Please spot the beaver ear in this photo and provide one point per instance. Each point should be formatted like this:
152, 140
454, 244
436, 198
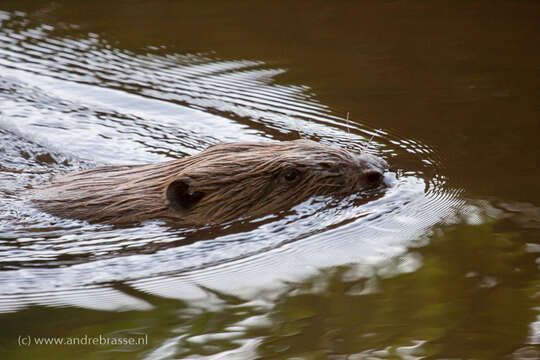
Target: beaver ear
181, 195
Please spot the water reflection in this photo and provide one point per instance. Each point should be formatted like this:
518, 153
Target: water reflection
422, 303
376, 279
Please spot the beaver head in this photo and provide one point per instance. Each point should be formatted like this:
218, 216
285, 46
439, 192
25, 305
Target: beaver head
224, 182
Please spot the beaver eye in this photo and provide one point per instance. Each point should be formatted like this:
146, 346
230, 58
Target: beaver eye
291, 175
326, 166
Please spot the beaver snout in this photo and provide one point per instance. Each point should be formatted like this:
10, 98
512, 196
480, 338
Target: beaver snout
372, 169
374, 177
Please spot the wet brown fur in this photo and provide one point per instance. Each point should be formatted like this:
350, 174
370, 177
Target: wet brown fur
223, 182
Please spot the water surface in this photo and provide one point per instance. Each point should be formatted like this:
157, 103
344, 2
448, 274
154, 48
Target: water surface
443, 264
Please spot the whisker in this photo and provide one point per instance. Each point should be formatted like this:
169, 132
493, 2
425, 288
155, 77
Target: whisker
365, 147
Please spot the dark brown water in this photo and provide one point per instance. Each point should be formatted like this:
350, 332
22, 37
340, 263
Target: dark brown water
444, 265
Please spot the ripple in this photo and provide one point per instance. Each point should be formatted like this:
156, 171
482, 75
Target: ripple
69, 103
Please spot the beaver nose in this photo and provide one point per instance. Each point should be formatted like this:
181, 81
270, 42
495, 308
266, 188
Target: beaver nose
374, 176
372, 168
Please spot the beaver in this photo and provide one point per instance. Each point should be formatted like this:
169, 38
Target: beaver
224, 182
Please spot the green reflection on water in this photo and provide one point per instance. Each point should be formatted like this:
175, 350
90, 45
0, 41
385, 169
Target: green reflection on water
469, 295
